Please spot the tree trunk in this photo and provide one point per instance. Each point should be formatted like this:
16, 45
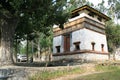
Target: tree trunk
27, 49
7, 33
50, 56
39, 51
16, 49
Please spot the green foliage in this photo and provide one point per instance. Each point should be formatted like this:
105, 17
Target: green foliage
39, 15
114, 9
113, 35
35, 15
73, 4
100, 7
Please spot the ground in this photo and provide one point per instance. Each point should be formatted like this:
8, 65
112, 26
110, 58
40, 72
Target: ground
74, 72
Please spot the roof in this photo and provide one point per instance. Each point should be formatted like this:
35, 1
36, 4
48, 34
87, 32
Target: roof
86, 7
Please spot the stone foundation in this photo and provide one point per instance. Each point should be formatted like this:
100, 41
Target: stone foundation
83, 56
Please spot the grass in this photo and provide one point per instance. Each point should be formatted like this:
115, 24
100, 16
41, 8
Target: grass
48, 75
112, 75
106, 67
109, 72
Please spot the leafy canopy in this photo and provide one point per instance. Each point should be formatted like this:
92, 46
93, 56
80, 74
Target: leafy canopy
35, 15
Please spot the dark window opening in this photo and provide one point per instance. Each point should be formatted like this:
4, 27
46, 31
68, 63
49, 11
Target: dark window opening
77, 47
91, 14
58, 49
102, 47
75, 15
100, 19
93, 46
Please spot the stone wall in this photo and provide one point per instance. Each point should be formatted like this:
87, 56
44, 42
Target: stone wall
84, 56
13, 74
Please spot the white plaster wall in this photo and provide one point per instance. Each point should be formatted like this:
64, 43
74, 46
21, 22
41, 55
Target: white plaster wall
78, 36
86, 36
91, 36
84, 56
58, 41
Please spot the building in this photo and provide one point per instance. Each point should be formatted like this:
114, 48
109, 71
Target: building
83, 36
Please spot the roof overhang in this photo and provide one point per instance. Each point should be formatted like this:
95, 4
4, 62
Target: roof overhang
86, 7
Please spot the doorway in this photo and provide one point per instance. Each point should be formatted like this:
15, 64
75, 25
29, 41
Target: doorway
66, 42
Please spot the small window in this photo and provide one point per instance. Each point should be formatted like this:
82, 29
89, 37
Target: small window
100, 19
93, 46
91, 14
75, 15
77, 47
102, 47
58, 49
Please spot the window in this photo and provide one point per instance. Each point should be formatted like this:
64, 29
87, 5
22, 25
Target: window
93, 46
91, 14
102, 47
58, 49
77, 47
100, 19
75, 15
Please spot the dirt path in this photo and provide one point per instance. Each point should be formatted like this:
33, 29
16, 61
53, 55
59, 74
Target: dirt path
71, 77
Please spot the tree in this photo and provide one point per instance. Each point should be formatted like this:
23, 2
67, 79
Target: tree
73, 4
100, 7
114, 9
23, 17
113, 35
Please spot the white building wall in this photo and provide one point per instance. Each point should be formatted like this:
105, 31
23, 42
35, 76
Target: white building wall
85, 37
58, 41
77, 36
91, 36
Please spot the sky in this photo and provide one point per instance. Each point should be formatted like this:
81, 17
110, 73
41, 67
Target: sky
95, 2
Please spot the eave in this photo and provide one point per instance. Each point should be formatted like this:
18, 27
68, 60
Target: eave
86, 7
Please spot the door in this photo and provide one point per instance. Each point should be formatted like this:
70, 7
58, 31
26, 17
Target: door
66, 42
